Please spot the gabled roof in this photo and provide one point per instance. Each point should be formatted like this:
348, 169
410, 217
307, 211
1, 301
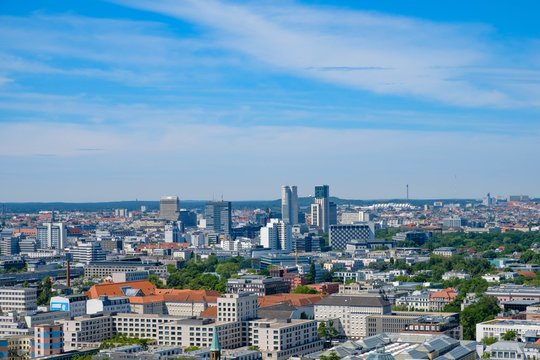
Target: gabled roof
186, 295
291, 299
115, 289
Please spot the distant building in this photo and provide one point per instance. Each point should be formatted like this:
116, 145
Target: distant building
9, 243
52, 236
418, 237
454, 222
87, 252
320, 210
289, 204
445, 251
105, 304
259, 285
172, 233
218, 216
169, 206
340, 235
18, 299
276, 235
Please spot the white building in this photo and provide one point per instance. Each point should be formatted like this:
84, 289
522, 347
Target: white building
455, 275
172, 233
118, 304
496, 328
86, 252
52, 236
276, 235
237, 307
289, 204
349, 312
85, 331
18, 299
75, 304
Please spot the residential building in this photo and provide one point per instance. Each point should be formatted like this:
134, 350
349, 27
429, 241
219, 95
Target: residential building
341, 234
172, 233
85, 331
75, 304
218, 216
18, 299
52, 236
48, 340
289, 205
445, 251
9, 243
169, 207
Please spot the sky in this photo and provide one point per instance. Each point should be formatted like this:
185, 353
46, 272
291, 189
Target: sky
135, 99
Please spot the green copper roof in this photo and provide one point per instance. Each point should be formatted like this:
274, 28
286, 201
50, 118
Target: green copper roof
216, 346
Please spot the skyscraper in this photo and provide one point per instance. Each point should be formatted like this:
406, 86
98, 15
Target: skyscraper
276, 235
320, 211
289, 204
169, 206
218, 216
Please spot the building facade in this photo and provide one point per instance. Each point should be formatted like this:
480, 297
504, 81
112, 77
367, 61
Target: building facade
289, 204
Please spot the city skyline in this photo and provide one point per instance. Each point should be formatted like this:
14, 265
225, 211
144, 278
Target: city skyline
117, 100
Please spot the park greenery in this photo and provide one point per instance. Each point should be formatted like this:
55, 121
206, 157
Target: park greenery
209, 274
303, 289
485, 309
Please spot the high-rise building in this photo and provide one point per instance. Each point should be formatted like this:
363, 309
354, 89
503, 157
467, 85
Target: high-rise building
276, 235
9, 243
289, 204
87, 252
52, 236
169, 206
172, 233
218, 216
320, 211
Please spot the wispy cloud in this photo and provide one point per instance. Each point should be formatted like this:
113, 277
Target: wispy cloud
422, 59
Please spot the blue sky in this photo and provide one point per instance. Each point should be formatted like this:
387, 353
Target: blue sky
125, 99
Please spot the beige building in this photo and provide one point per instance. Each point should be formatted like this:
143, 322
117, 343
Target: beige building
237, 307
83, 330
18, 299
281, 339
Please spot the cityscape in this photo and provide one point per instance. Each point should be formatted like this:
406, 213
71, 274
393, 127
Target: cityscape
269, 180
314, 278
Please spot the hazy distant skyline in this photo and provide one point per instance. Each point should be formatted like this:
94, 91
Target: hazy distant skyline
117, 100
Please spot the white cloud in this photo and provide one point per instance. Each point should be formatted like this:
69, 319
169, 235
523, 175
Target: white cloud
364, 50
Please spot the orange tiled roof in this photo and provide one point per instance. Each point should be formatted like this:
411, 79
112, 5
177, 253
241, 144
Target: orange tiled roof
526, 273
115, 289
292, 299
210, 311
145, 299
186, 295
449, 293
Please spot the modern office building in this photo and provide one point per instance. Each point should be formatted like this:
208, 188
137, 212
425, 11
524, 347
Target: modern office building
85, 331
289, 204
320, 210
418, 237
87, 252
75, 304
105, 304
259, 285
18, 299
276, 235
106, 268
350, 312
172, 233
453, 222
169, 207
340, 235
237, 307
218, 216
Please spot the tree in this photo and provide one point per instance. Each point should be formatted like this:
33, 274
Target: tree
302, 289
486, 355
45, 291
490, 340
333, 356
304, 316
485, 309
154, 279
510, 335
310, 278
327, 330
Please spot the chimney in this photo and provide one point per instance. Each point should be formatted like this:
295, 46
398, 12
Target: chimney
68, 280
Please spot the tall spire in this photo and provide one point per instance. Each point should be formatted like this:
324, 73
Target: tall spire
215, 349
